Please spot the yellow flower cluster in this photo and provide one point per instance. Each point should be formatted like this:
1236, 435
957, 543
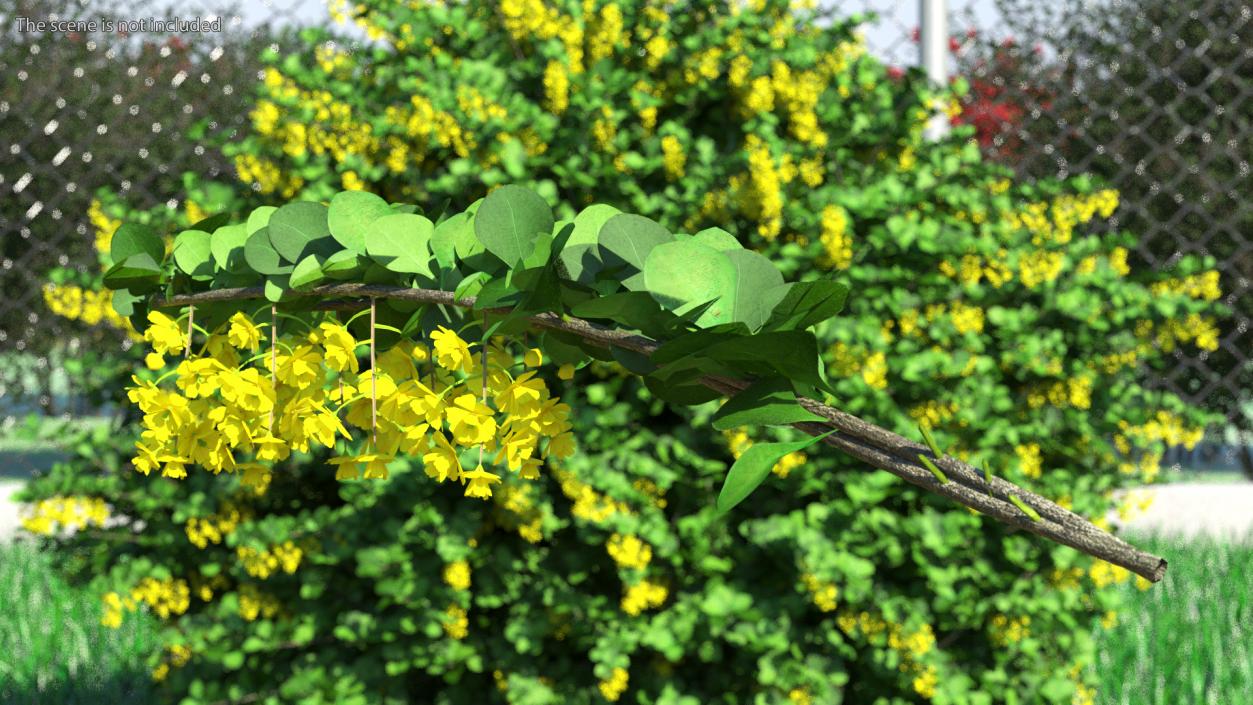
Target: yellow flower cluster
1040, 267
556, 87
800, 696
643, 595
330, 59
523, 515
70, 512
703, 65
604, 129
738, 442
912, 646
1135, 503
104, 225
1075, 391
1055, 221
1007, 630
650, 488
226, 408
457, 575
254, 603
837, 243
673, 156
266, 175
1202, 330
588, 504
974, 268
263, 563
932, 413
90, 307
874, 370
1165, 426
1029, 459
760, 197
457, 624
607, 33
824, 594
164, 597
966, 319
201, 531
629, 551
476, 106
798, 94
179, 654
1203, 286
1103, 574
615, 685
1065, 579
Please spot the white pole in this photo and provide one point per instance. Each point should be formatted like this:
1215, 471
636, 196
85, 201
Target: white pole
933, 53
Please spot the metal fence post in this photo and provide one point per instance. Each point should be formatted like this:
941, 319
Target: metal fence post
933, 54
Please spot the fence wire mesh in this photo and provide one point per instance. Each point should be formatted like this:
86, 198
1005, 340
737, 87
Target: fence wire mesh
1150, 96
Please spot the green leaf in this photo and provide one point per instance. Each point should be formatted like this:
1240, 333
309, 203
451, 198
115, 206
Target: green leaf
227, 246
259, 218
757, 287
769, 402
401, 242
127, 303
350, 215
753, 466
211, 223
344, 264
275, 287
192, 255
307, 272
471, 285
632, 309
792, 354
626, 240
805, 303
718, 239
300, 229
682, 275
581, 255
682, 394
444, 239
139, 272
261, 255
133, 239
509, 221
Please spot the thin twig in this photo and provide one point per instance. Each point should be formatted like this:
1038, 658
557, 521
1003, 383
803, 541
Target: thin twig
872, 444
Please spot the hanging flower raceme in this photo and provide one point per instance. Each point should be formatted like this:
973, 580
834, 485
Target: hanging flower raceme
430, 400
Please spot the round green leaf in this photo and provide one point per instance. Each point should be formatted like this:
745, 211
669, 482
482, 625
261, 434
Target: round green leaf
191, 253
227, 246
344, 264
350, 215
134, 238
718, 239
307, 272
401, 242
260, 218
627, 239
509, 220
686, 274
296, 226
581, 255
757, 283
261, 255
444, 240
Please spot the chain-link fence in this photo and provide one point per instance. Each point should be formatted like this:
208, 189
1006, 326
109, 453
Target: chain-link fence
1151, 96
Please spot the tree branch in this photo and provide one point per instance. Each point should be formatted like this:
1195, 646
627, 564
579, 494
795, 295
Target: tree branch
867, 442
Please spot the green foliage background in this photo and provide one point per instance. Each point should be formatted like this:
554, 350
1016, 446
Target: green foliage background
420, 119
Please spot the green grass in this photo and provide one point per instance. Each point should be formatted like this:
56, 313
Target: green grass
1189, 638
53, 649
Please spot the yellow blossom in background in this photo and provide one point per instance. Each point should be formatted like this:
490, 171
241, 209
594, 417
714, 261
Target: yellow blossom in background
836, 242
629, 551
67, 513
615, 685
674, 156
457, 575
1029, 459
643, 595
457, 624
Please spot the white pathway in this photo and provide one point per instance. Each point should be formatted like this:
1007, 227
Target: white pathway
1186, 509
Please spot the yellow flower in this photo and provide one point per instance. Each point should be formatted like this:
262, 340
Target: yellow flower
451, 352
164, 334
613, 687
480, 482
301, 368
338, 345
457, 575
565, 371
243, 333
442, 463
